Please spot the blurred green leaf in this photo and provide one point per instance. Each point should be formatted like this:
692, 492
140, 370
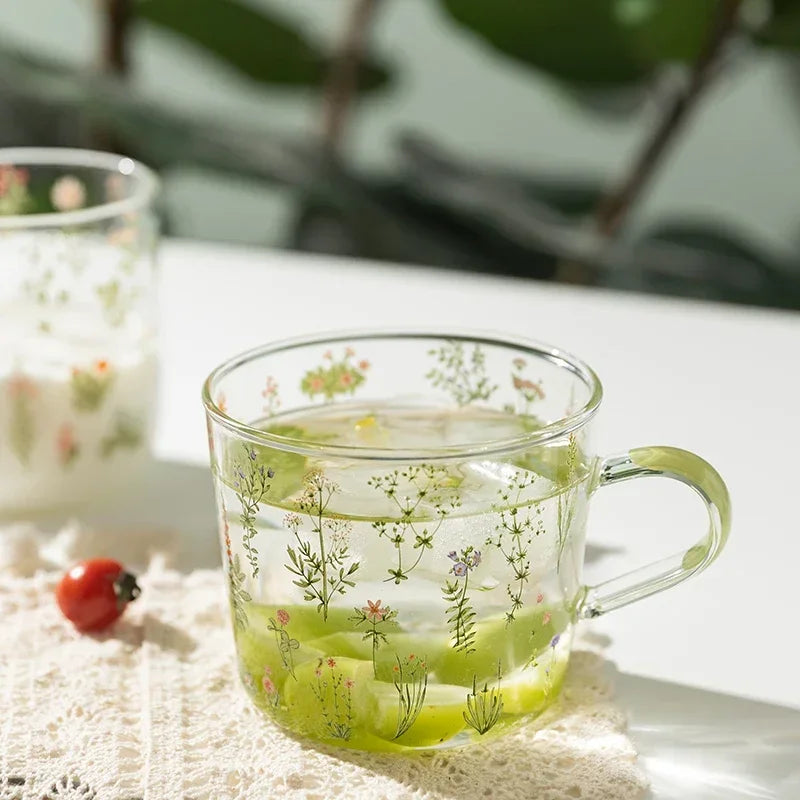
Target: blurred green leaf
783, 28
603, 43
258, 44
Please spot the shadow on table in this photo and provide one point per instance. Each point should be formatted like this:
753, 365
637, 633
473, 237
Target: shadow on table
692, 744
701, 744
170, 512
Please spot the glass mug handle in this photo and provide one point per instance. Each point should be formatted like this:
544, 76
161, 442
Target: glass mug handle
680, 465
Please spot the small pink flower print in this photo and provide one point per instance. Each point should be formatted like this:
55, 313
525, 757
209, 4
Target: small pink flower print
271, 388
539, 597
396, 668
519, 363
65, 444
524, 384
268, 670
546, 618
363, 365
411, 657
328, 354
318, 672
67, 193
19, 385
269, 686
101, 366
373, 611
283, 616
331, 662
222, 403
346, 379
316, 384
10, 176
349, 352
123, 236
349, 683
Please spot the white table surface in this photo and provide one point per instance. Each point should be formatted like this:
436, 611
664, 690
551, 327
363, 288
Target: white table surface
723, 381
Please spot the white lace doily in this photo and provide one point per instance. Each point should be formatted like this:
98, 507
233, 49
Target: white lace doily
153, 710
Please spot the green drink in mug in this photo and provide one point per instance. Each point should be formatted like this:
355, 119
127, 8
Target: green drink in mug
403, 520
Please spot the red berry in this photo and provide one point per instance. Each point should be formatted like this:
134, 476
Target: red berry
94, 593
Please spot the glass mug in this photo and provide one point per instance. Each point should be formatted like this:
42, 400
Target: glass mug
403, 519
77, 325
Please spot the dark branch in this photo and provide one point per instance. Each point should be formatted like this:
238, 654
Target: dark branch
615, 206
342, 81
116, 16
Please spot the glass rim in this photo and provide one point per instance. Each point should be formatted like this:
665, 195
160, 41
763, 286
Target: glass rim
553, 430
145, 191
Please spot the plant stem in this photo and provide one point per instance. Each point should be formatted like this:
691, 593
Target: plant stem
342, 79
616, 205
116, 21
323, 557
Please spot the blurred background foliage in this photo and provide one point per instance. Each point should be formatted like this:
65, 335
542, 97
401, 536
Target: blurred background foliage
648, 66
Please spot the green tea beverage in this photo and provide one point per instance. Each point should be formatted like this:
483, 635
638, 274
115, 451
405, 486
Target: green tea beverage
402, 518
403, 605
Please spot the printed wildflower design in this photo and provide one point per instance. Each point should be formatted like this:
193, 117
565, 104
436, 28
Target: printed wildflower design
269, 687
15, 198
424, 483
22, 428
460, 614
377, 618
236, 577
67, 193
463, 376
528, 391
116, 300
90, 386
514, 534
335, 377
410, 678
246, 677
126, 434
335, 695
285, 642
324, 571
66, 446
251, 484
567, 499
272, 401
548, 673
484, 707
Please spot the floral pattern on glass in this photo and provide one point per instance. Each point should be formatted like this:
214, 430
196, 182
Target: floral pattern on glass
66, 445
251, 481
335, 376
285, 643
89, 386
334, 693
272, 401
22, 428
377, 619
460, 613
514, 534
321, 563
410, 678
484, 706
461, 374
408, 489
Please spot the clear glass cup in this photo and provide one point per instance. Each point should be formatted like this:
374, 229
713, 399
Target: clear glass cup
78, 238
403, 521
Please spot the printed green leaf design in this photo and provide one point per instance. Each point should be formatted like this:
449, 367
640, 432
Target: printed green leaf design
377, 619
22, 427
238, 595
411, 682
127, 435
460, 374
484, 707
321, 569
460, 614
251, 484
89, 387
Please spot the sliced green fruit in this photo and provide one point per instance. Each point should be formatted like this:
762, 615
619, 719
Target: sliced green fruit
353, 645
440, 718
512, 645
